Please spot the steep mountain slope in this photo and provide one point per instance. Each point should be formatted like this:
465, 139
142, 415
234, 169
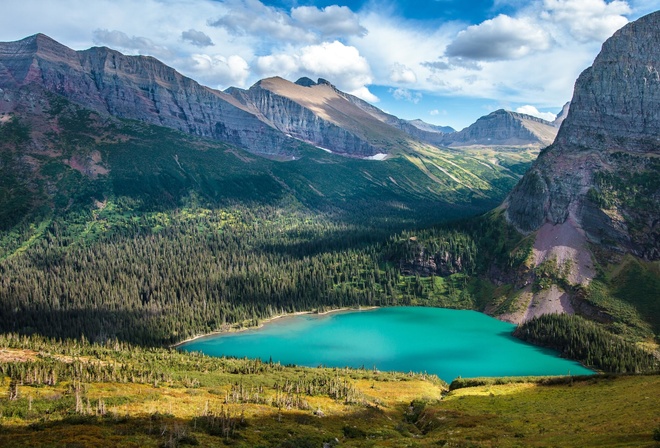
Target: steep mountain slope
503, 128
135, 87
319, 114
598, 185
424, 126
561, 116
269, 119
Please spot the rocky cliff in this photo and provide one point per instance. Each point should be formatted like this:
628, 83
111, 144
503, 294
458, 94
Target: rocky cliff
602, 174
503, 128
270, 118
320, 114
561, 116
135, 87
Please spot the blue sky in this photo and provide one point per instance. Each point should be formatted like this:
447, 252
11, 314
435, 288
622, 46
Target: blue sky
447, 62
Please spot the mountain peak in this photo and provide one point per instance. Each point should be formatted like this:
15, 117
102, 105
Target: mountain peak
597, 176
305, 82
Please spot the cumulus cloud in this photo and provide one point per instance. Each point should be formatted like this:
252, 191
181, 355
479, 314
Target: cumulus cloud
225, 71
406, 95
277, 65
402, 74
499, 39
251, 17
340, 64
197, 38
364, 93
331, 21
533, 111
304, 24
587, 20
120, 40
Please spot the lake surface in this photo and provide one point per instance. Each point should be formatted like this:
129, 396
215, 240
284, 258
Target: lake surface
448, 343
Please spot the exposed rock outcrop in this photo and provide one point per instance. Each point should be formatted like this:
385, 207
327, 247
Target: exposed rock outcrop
561, 116
503, 128
319, 114
135, 87
601, 173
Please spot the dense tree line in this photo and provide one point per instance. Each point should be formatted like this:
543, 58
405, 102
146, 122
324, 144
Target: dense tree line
585, 341
159, 278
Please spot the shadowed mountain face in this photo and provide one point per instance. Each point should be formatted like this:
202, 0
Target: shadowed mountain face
602, 174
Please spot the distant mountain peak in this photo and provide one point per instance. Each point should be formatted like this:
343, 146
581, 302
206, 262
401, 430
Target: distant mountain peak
504, 128
305, 82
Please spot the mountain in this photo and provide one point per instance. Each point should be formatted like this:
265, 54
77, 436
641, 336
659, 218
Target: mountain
424, 126
270, 118
562, 115
136, 87
319, 114
503, 128
608, 143
591, 201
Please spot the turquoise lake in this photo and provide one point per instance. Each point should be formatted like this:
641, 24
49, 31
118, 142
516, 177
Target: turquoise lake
448, 343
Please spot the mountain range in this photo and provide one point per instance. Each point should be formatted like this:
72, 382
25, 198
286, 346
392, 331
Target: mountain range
95, 133
268, 119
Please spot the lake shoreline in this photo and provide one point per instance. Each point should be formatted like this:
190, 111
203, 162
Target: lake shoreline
444, 342
269, 320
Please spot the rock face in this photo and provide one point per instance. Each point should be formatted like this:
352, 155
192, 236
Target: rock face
562, 115
135, 87
424, 126
270, 118
503, 128
319, 114
602, 174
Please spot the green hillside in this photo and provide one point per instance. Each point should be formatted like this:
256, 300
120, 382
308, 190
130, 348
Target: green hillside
76, 394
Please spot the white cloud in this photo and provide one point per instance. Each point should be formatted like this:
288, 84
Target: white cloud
533, 111
341, 64
587, 20
231, 71
338, 63
402, 74
434, 112
120, 40
498, 39
365, 94
277, 65
331, 21
251, 17
406, 95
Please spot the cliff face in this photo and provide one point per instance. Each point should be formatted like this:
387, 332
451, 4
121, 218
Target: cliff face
135, 87
602, 174
319, 114
503, 128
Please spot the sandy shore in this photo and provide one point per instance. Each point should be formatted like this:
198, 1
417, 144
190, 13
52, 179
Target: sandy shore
232, 329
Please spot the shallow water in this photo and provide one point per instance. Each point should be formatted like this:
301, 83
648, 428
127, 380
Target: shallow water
448, 343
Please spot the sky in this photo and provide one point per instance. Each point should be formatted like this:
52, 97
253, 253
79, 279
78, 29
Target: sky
447, 62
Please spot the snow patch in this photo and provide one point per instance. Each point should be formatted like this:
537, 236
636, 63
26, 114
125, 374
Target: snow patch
379, 156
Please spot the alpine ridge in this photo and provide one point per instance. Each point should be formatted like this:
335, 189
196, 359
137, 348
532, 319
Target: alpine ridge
271, 118
591, 199
611, 134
